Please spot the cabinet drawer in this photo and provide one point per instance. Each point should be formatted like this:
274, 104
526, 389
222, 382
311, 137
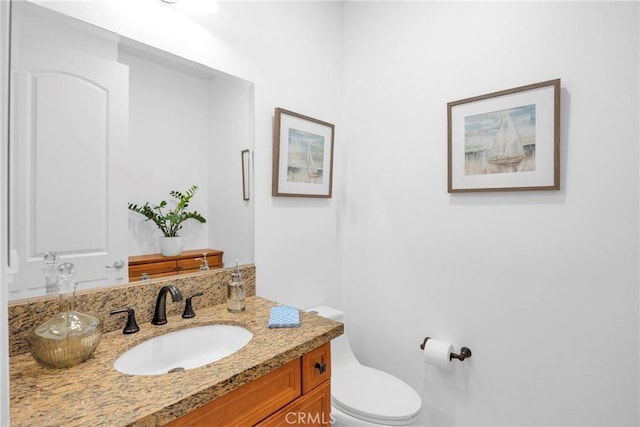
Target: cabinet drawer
214, 260
312, 409
316, 367
250, 403
135, 271
194, 263
189, 264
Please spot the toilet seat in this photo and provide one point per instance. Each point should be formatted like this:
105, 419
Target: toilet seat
373, 395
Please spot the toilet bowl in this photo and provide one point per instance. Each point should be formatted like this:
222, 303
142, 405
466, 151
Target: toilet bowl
364, 396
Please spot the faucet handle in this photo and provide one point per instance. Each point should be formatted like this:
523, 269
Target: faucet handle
188, 309
131, 326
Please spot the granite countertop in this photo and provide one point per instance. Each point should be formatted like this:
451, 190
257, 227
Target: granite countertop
94, 393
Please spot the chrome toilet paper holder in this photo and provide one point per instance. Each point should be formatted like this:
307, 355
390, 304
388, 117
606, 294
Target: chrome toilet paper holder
465, 352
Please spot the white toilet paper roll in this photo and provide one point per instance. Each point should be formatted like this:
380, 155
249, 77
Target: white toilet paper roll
437, 353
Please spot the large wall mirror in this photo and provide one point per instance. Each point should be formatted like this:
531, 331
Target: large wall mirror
98, 120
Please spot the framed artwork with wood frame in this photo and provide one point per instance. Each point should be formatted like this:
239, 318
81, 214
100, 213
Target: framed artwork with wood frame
505, 141
302, 156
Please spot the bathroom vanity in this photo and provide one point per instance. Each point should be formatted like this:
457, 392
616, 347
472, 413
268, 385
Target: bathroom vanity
301, 389
279, 372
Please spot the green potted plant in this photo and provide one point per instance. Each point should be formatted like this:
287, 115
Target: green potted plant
171, 221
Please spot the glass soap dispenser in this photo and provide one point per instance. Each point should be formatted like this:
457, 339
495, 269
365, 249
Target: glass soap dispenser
69, 337
235, 292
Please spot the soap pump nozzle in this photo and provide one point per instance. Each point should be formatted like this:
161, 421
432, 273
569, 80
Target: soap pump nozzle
236, 272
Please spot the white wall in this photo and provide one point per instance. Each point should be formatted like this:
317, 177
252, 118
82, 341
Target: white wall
231, 132
168, 149
292, 53
416, 260
542, 286
187, 126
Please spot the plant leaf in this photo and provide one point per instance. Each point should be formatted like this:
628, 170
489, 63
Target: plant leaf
170, 222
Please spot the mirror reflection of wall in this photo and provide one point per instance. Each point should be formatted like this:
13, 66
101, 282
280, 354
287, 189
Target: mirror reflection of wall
169, 136
99, 120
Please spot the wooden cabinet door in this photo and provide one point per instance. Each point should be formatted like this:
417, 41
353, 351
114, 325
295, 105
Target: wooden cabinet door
275, 399
312, 409
250, 403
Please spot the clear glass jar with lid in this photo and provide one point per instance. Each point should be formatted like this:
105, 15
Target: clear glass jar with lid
70, 337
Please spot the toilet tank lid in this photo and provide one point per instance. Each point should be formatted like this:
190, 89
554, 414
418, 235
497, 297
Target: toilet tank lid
326, 311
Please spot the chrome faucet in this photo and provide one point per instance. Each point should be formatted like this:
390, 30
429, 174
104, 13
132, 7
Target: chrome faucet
160, 313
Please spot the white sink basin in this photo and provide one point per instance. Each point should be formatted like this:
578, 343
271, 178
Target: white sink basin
182, 350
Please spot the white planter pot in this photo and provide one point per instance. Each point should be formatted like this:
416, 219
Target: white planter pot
170, 246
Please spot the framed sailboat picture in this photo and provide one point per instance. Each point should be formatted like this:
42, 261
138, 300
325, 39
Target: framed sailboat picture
302, 156
505, 141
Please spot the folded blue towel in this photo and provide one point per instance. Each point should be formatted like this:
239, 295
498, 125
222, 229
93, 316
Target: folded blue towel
283, 316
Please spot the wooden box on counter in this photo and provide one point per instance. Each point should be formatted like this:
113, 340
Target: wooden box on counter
156, 265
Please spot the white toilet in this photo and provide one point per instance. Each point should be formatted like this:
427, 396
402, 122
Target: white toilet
363, 396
